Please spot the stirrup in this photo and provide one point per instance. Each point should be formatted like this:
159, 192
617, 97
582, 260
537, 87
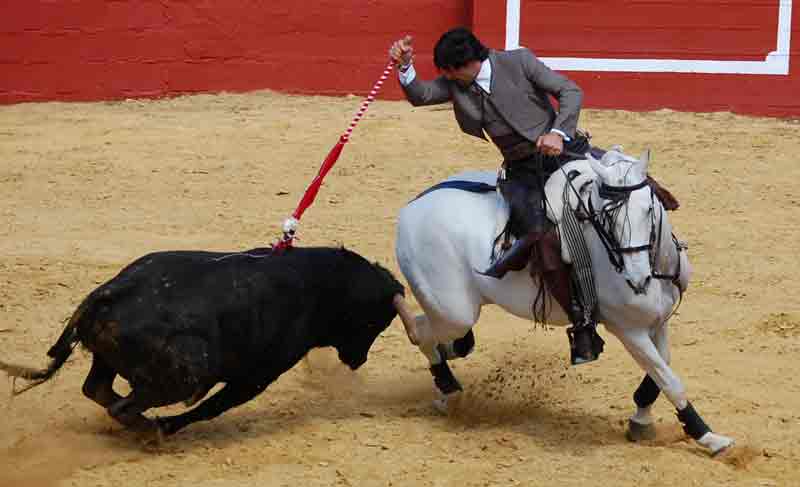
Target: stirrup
585, 345
514, 259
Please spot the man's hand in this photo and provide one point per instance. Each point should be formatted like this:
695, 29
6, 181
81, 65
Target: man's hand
550, 144
402, 52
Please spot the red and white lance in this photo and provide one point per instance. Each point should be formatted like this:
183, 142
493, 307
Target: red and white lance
291, 223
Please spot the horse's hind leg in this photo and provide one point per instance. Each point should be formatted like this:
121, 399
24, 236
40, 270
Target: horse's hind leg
644, 351
437, 355
458, 348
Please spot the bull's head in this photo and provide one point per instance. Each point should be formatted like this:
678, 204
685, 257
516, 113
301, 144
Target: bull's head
370, 308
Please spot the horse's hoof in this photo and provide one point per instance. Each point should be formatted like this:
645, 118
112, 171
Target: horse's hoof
724, 449
640, 432
715, 443
447, 403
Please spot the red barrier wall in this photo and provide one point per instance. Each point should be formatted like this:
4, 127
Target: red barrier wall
111, 49
103, 49
722, 30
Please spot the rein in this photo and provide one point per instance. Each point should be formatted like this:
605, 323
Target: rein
602, 221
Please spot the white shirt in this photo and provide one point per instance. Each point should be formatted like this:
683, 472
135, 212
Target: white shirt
483, 79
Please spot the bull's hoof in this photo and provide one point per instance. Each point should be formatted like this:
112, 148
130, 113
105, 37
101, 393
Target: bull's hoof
640, 432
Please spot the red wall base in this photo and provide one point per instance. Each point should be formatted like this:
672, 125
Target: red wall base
100, 49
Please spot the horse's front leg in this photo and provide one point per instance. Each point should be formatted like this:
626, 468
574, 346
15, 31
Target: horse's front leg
640, 425
644, 351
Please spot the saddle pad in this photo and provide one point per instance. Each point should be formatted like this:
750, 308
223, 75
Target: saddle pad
471, 186
483, 182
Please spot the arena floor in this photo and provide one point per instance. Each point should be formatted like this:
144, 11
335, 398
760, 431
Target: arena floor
86, 188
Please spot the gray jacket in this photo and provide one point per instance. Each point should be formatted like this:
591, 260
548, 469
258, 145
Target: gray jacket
519, 88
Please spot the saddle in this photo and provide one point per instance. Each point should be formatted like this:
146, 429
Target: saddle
578, 170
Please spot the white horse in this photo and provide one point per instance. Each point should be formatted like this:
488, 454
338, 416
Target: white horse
445, 236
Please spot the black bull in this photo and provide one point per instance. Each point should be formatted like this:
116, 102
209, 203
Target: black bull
174, 324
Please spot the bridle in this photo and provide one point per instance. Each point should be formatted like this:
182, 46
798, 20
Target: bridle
603, 221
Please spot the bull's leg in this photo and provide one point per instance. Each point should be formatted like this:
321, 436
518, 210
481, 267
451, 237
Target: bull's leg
644, 351
128, 411
230, 396
98, 385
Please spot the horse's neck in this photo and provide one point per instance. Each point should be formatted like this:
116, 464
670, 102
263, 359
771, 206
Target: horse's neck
667, 252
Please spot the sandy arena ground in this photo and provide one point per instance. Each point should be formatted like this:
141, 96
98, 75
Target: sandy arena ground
86, 188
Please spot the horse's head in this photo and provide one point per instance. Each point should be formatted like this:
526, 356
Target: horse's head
625, 204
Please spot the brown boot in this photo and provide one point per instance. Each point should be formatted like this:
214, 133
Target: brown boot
669, 201
515, 258
584, 342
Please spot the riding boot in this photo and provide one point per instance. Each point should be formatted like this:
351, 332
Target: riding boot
585, 343
515, 258
669, 201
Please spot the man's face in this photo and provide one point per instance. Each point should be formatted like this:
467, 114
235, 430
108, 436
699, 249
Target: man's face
465, 74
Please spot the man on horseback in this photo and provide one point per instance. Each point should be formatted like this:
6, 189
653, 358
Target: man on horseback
505, 94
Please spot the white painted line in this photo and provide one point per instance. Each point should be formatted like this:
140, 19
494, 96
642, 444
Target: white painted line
776, 62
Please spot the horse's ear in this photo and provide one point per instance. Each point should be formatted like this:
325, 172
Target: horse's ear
644, 159
597, 166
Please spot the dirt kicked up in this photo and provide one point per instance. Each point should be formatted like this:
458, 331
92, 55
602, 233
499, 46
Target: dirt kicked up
86, 188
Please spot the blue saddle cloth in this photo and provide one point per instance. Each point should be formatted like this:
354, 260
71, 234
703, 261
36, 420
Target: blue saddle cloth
471, 186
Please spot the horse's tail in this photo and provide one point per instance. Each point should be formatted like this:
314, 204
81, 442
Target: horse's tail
59, 352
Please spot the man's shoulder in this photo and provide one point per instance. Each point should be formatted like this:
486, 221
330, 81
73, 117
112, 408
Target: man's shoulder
513, 56
516, 53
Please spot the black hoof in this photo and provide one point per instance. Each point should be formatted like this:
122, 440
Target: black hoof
444, 379
640, 432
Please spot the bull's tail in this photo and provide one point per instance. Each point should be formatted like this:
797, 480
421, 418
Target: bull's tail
59, 353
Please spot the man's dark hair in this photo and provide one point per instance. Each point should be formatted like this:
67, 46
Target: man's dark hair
456, 48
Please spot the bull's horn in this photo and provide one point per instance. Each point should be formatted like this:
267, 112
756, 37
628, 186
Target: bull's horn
409, 320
